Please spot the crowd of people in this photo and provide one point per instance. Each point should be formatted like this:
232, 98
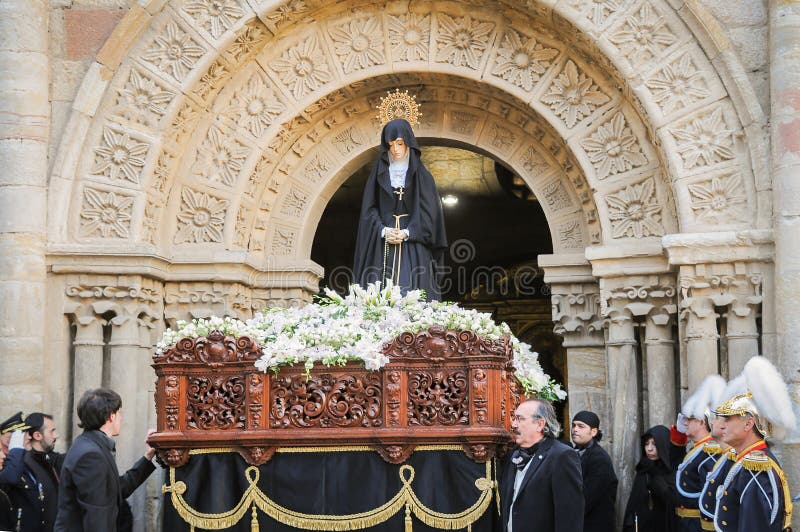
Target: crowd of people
42, 490
712, 470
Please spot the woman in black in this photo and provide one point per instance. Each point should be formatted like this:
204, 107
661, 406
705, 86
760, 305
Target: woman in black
651, 505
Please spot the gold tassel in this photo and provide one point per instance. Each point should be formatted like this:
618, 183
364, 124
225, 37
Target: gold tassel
469, 528
254, 520
409, 524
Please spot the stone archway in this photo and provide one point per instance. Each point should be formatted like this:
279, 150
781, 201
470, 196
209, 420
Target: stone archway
205, 144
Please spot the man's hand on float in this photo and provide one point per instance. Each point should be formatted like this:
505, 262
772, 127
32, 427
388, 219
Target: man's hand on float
149, 452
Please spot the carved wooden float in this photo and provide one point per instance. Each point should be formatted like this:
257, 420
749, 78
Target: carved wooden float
440, 387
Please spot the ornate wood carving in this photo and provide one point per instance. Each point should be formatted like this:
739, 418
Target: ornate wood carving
479, 398
255, 397
439, 387
215, 402
327, 400
480, 452
172, 407
393, 385
213, 350
257, 455
438, 398
438, 344
395, 454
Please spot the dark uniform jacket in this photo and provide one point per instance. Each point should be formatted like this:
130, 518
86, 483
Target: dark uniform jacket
92, 493
550, 497
753, 496
708, 499
34, 492
12, 469
689, 480
599, 489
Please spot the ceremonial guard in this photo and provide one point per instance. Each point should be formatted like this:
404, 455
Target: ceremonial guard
695, 420
754, 496
726, 458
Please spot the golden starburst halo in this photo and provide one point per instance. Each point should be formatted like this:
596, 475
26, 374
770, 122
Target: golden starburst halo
398, 105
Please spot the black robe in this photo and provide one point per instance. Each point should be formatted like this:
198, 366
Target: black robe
653, 496
422, 258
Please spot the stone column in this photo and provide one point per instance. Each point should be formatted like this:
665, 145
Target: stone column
784, 32
660, 372
87, 366
700, 318
742, 329
25, 115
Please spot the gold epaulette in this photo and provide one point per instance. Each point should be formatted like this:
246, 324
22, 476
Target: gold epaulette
712, 447
756, 461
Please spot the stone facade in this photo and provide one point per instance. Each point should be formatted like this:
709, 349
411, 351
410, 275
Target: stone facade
169, 159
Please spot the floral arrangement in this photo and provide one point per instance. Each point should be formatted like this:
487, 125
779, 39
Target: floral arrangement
336, 329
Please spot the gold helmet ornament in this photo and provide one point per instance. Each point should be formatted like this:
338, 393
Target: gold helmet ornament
765, 398
398, 105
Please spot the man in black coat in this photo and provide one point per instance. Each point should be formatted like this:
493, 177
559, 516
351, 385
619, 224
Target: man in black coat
92, 495
34, 490
541, 486
599, 480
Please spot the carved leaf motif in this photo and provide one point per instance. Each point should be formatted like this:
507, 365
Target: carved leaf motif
142, 100
705, 140
220, 158
358, 44
286, 12
598, 10
462, 41
316, 169
556, 196
283, 241
215, 16
573, 96
295, 203
255, 106
678, 85
119, 156
215, 403
437, 398
635, 211
644, 36
719, 200
326, 401
248, 41
303, 68
522, 62
174, 53
152, 216
409, 36
211, 81
613, 148
242, 216
201, 219
106, 214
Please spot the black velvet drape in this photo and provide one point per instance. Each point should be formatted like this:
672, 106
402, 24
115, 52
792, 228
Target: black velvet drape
332, 483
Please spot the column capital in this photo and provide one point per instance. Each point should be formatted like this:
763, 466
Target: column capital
576, 313
190, 300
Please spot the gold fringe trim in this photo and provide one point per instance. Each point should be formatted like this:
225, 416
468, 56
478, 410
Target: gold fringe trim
788, 506
405, 498
335, 449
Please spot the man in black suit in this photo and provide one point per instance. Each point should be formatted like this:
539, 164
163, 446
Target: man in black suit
541, 485
599, 480
92, 495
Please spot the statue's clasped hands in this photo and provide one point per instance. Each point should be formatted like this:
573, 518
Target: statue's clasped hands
395, 236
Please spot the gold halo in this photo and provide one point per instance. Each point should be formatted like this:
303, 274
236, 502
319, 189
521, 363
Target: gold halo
398, 105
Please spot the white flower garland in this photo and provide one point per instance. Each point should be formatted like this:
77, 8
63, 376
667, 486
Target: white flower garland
336, 329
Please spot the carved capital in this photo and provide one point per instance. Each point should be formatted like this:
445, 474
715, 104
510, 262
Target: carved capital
185, 301
576, 313
736, 286
639, 296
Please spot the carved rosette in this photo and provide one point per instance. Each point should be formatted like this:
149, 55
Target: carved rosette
438, 398
215, 403
326, 400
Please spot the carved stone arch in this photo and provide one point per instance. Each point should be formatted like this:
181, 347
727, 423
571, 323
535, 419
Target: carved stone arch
111, 173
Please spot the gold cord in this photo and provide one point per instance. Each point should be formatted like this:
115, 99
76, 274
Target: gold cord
405, 498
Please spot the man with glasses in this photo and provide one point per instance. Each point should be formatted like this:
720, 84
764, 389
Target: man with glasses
541, 487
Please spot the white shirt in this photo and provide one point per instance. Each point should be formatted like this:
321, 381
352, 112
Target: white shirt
517, 482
